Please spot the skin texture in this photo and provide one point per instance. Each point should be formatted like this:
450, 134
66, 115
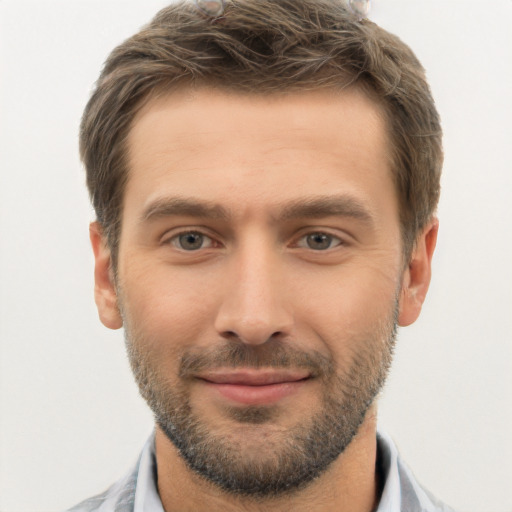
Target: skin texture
261, 235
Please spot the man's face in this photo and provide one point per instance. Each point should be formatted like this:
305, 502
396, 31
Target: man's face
259, 278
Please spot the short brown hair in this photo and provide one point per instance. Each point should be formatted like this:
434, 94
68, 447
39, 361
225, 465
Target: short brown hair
256, 47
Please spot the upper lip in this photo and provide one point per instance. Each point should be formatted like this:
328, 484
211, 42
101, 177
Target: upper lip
254, 377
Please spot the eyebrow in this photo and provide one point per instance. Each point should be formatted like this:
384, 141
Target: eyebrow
315, 207
184, 206
327, 206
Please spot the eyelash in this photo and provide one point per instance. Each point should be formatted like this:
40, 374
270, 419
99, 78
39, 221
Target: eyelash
301, 243
175, 239
332, 239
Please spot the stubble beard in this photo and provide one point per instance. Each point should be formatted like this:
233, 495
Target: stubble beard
249, 461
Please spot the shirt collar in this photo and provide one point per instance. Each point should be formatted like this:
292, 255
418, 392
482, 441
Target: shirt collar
387, 457
146, 493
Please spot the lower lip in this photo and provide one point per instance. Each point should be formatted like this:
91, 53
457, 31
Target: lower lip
256, 395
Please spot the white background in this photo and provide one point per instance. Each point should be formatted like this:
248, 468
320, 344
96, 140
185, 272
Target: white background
71, 421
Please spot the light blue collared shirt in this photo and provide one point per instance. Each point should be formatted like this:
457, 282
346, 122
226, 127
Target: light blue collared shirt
137, 491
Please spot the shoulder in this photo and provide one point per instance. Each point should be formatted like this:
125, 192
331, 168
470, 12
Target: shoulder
413, 493
119, 497
91, 504
402, 491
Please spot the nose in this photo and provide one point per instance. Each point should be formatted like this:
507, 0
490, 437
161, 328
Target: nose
254, 308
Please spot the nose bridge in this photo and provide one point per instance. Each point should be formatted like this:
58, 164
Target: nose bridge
254, 306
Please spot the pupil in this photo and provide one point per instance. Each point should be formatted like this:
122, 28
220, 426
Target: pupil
191, 241
319, 241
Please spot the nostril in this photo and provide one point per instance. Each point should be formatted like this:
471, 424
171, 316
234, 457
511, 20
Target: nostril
229, 335
251, 337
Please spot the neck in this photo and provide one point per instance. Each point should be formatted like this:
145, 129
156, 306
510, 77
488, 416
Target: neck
350, 484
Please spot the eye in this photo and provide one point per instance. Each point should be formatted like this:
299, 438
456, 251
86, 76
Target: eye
191, 241
319, 241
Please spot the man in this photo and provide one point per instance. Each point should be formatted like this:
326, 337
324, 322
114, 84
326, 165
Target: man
265, 176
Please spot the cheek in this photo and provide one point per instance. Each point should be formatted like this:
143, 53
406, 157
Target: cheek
168, 307
351, 306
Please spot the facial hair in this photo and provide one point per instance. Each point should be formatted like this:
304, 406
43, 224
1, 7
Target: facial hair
251, 465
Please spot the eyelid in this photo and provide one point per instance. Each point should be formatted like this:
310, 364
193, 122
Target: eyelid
335, 242
175, 233
341, 239
207, 241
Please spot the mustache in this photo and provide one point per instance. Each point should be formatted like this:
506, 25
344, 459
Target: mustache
272, 354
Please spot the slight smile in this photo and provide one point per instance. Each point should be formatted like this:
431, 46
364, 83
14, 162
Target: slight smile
255, 387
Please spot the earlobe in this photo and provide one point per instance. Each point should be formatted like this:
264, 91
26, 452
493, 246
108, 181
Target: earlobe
416, 278
105, 293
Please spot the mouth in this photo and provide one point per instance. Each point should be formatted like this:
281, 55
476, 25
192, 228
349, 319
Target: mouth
254, 387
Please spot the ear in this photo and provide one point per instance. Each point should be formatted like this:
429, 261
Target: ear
105, 293
416, 278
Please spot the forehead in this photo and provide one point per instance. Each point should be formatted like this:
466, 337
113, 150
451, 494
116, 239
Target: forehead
247, 150
218, 112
